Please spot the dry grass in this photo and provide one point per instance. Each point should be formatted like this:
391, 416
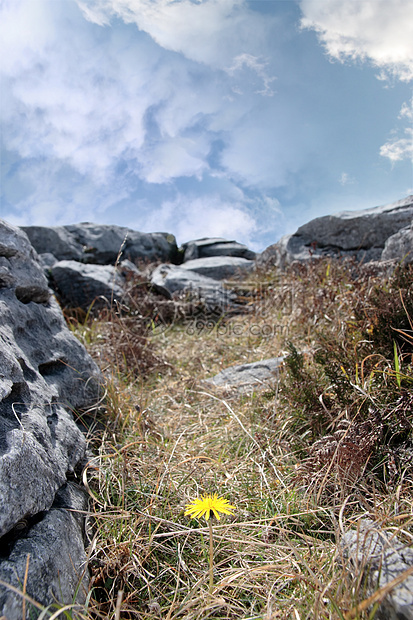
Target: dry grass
301, 458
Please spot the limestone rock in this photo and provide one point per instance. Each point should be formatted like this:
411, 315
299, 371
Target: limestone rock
79, 286
215, 246
361, 234
45, 375
172, 281
220, 267
399, 247
244, 376
18, 267
57, 559
47, 260
288, 249
100, 244
55, 240
381, 557
127, 269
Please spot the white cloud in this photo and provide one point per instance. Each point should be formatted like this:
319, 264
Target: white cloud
174, 157
207, 31
245, 62
230, 214
59, 195
97, 13
346, 179
380, 31
87, 101
62, 100
25, 28
400, 148
84, 99
264, 153
407, 110
193, 217
77, 92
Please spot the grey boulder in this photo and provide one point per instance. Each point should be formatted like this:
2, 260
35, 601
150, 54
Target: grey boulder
101, 244
220, 267
215, 246
45, 375
360, 234
57, 562
381, 557
83, 286
399, 247
55, 240
19, 270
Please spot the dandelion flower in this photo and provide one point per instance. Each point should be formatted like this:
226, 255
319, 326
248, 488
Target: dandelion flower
204, 505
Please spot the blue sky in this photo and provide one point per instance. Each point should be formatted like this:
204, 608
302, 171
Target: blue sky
234, 118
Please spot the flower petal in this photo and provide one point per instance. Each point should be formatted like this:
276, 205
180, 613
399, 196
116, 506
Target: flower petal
205, 505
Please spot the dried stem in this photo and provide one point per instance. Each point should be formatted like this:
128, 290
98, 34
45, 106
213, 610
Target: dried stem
211, 558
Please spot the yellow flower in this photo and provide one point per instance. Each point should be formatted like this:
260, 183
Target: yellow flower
209, 503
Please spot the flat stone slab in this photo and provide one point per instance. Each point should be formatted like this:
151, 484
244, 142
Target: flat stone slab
382, 557
215, 246
172, 281
220, 267
247, 375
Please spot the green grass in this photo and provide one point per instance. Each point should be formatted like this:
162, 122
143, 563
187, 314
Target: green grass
301, 458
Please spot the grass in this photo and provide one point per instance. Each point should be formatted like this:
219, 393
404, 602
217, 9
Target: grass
302, 458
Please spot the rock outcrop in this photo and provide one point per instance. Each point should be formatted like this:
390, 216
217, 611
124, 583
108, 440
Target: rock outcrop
45, 375
101, 244
88, 265
360, 234
383, 559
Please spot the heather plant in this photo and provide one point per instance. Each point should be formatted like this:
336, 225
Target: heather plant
352, 393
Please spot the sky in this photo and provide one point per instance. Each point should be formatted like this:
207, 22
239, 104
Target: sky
241, 119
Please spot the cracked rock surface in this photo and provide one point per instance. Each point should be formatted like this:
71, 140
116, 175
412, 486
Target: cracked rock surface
100, 244
45, 375
362, 235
